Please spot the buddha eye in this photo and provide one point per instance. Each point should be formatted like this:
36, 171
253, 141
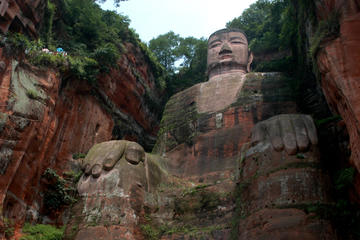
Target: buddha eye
214, 45
237, 42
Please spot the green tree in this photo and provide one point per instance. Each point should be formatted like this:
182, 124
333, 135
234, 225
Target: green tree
193, 68
165, 47
262, 22
183, 58
270, 26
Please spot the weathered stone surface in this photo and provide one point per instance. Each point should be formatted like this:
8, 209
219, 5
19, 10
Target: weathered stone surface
131, 95
40, 132
280, 195
200, 135
44, 121
112, 201
284, 224
21, 16
203, 137
338, 62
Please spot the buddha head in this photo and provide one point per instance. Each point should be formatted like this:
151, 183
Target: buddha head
228, 52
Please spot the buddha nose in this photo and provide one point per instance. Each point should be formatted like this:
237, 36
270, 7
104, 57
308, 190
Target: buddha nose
225, 49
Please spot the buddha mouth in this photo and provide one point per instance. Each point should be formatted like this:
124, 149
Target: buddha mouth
225, 56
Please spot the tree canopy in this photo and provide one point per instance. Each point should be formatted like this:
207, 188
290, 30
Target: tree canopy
263, 24
183, 58
270, 27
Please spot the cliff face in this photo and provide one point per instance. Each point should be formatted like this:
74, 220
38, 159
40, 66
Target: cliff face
209, 177
338, 63
45, 119
21, 16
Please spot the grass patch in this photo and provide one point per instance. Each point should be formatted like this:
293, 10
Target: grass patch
41, 232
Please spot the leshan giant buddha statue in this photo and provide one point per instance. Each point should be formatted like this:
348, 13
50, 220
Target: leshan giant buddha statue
238, 132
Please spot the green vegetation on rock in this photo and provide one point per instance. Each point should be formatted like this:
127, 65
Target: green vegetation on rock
41, 232
94, 40
7, 227
59, 192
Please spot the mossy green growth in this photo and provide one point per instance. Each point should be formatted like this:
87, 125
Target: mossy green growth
3, 120
32, 94
267, 87
48, 60
345, 178
150, 232
178, 124
326, 30
78, 155
240, 211
59, 192
48, 23
7, 228
41, 232
324, 121
156, 232
196, 200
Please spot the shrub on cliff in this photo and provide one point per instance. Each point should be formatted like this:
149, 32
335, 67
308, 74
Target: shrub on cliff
59, 192
41, 232
90, 34
107, 55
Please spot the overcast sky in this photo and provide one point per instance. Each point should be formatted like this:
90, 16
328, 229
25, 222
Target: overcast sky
197, 18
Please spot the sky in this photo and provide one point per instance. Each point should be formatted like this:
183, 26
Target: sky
196, 18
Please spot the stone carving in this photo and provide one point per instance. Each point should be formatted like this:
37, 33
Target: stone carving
105, 156
274, 182
292, 132
228, 51
249, 137
237, 129
113, 191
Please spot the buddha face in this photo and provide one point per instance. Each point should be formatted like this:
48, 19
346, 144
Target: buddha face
227, 51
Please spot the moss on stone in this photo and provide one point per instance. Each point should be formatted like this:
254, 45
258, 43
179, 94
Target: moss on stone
267, 87
3, 120
178, 124
196, 200
26, 90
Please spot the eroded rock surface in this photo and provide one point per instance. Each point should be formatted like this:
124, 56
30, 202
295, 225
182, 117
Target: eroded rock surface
280, 196
46, 119
21, 16
338, 62
200, 136
118, 175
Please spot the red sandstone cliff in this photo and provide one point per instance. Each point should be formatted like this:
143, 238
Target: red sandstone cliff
21, 16
338, 63
44, 120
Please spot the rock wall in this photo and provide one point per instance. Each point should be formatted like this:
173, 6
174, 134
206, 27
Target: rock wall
338, 63
45, 119
280, 195
21, 16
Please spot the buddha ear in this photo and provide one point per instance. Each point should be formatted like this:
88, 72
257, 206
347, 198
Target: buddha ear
250, 59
